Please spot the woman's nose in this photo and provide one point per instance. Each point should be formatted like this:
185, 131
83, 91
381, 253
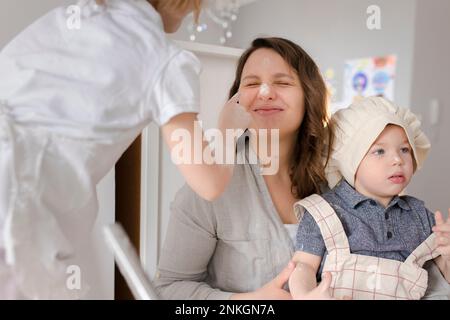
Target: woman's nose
266, 92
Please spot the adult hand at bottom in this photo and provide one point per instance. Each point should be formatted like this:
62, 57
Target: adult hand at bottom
273, 290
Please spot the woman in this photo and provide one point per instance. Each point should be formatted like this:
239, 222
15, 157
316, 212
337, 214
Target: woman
238, 246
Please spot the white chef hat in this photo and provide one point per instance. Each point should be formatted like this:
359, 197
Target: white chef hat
358, 126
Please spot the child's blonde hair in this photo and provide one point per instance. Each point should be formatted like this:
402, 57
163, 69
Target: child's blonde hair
175, 4
182, 5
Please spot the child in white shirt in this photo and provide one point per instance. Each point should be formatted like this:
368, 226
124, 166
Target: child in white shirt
71, 101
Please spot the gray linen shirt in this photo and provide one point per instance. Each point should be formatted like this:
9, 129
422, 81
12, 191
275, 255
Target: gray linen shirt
234, 244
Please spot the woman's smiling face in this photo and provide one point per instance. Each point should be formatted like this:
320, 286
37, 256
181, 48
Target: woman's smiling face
272, 92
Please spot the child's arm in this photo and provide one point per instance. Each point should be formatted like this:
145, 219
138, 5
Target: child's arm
442, 231
207, 180
303, 284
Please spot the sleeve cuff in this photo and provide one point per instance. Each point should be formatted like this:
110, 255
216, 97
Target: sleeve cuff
173, 111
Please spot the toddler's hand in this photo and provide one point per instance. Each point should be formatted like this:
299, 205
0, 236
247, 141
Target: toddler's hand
442, 231
234, 115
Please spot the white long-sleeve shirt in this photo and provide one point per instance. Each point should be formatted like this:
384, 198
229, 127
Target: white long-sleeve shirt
72, 101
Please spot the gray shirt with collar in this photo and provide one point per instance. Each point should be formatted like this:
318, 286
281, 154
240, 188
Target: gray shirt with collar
392, 232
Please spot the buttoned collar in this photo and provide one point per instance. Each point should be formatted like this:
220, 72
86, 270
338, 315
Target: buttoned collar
353, 198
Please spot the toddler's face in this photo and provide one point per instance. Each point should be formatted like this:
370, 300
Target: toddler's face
387, 167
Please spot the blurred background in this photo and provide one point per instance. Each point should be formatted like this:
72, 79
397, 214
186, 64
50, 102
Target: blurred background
399, 49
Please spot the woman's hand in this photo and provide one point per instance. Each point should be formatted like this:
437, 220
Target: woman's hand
272, 290
322, 291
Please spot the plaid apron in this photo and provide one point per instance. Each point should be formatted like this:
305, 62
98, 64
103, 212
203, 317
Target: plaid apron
366, 277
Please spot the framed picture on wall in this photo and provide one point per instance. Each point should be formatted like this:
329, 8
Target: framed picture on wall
374, 76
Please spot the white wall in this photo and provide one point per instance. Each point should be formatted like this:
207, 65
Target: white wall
332, 31
431, 81
335, 31
15, 15
97, 263
214, 32
211, 36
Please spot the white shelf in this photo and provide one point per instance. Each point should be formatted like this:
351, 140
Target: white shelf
214, 50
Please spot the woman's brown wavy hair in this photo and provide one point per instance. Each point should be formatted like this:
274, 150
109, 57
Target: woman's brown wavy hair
315, 136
